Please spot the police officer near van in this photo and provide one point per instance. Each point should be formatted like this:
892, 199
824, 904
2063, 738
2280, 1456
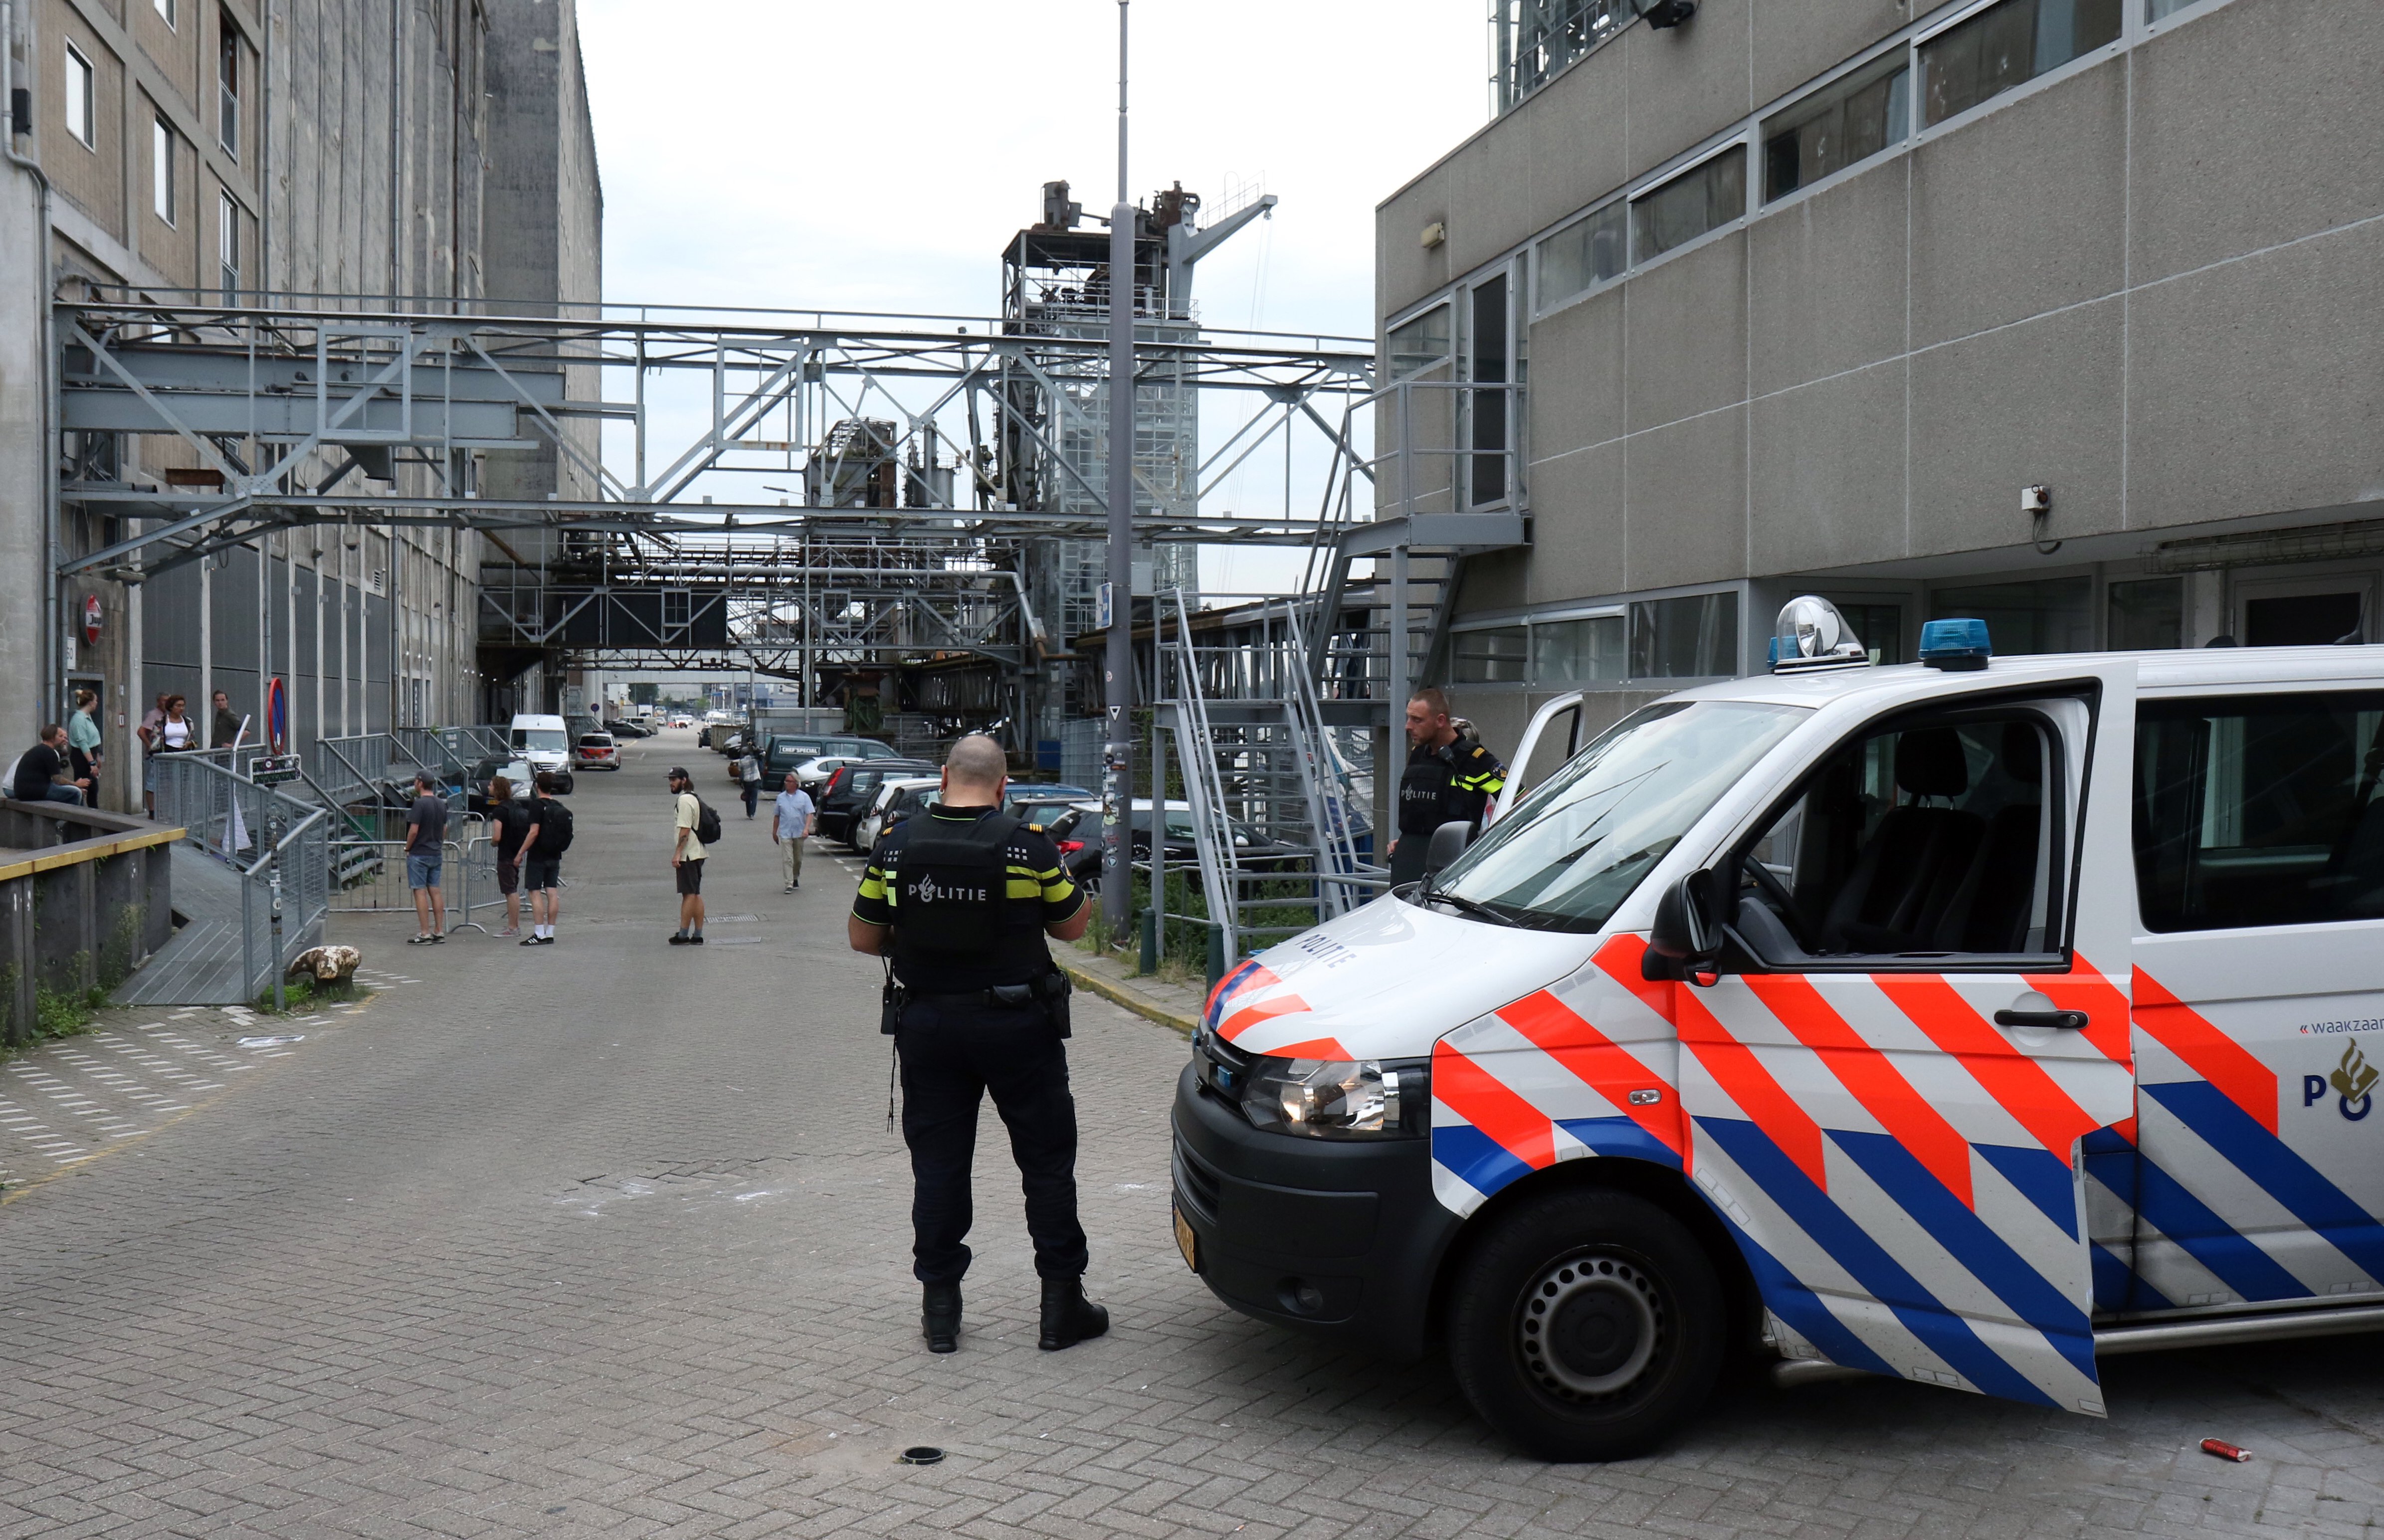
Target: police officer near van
1450, 778
959, 898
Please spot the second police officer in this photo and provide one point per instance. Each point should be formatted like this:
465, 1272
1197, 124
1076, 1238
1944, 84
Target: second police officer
1450, 777
961, 897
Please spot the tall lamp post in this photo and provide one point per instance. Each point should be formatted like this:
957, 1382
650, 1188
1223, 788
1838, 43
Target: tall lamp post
1117, 674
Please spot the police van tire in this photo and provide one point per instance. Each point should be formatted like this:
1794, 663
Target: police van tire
1586, 1325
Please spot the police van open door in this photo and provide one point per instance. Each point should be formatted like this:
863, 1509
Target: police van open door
1918, 1026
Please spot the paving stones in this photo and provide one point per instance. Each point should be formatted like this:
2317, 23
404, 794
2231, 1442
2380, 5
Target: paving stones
611, 1237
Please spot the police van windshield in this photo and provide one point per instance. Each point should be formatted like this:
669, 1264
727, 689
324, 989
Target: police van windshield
544, 740
1573, 852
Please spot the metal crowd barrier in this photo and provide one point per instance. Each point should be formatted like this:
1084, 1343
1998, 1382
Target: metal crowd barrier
370, 877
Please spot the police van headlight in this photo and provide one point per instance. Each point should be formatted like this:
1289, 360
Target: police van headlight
1329, 1099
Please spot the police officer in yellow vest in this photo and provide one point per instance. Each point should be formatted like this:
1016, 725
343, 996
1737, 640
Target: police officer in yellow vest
961, 897
1450, 778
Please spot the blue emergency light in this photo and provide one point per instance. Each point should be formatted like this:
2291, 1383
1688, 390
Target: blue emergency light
1958, 645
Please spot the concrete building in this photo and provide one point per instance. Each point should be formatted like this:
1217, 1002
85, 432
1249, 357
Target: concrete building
402, 154
2058, 313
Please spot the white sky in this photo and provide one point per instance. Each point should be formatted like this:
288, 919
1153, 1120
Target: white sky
869, 156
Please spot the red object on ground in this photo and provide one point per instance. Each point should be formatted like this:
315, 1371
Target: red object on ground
2225, 1450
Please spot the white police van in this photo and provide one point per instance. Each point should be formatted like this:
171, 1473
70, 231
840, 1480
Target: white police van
1968, 1022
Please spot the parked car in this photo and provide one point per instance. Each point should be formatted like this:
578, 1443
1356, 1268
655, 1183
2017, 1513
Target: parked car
897, 799
1043, 812
623, 728
475, 788
845, 796
682, 721
1253, 850
545, 742
598, 751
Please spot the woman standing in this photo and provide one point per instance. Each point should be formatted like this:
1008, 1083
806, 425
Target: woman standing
82, 740
178, 732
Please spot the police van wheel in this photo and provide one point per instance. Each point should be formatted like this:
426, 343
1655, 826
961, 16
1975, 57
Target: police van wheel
1586, 1325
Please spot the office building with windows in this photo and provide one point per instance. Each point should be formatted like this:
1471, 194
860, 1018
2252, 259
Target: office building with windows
2055, 312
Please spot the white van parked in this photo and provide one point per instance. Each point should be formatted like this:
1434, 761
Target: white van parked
545, 742
1966, 1022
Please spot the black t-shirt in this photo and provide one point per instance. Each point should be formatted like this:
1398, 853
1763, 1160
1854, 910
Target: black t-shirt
35, 772
512, 822
1038, 893
429, 817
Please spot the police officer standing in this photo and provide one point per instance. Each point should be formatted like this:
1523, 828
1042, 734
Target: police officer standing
961, 897
1450, 778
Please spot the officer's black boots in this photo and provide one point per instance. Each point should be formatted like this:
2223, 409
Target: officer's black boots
1068, 1317
939, 1317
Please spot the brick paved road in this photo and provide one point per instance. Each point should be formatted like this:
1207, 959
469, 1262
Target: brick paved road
609, 1237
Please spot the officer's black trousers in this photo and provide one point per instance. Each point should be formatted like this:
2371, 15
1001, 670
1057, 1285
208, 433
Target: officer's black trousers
952, 1056
1407, 862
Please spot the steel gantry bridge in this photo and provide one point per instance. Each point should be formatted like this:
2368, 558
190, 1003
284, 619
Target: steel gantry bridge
782, 489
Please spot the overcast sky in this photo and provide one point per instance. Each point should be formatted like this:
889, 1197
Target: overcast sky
871, 157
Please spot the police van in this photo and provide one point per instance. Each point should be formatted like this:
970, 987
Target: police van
1970, 1021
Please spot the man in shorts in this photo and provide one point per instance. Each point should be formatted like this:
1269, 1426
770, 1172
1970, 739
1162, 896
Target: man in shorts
687, 859
511, 820
541, 862
425, 834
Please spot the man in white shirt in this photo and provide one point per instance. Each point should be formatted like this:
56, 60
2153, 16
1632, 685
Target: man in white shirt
687, 859
795, 819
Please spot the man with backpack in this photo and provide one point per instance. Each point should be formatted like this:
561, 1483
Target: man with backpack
541, 860
693, 826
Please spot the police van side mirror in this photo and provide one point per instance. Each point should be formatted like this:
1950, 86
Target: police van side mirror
1686, 937
1448, 842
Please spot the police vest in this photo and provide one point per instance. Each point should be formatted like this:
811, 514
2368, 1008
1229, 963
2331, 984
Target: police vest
950, 884
1433, 789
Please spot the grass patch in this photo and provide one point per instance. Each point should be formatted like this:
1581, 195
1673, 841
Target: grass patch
66, 1013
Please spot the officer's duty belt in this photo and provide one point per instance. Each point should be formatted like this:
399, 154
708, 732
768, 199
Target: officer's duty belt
1049, 987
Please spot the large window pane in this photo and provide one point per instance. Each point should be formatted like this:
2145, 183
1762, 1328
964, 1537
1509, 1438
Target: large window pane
2051, 614
1579, 652
1691, 204
1488, 361
1880, 628
1692, 637
1582, 255
2007, 45
2148, 614
1491, 657
1832, 129
2258, 811
1421, 343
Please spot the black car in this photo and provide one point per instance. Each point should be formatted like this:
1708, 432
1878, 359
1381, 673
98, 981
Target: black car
850, 791
621, 727
1078, 835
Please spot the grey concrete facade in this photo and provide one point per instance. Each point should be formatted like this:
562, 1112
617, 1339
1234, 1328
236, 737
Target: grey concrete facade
346, 149
2135, 278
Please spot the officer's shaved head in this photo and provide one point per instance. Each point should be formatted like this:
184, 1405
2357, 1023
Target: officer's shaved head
976, 762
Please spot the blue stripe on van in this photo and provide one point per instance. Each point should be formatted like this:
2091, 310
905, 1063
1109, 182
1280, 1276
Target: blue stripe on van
2280, 1172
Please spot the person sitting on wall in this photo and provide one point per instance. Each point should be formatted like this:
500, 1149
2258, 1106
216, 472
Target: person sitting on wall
44, 775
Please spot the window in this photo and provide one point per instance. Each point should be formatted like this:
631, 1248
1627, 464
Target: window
1928, 837
2259, 810
227, 85
161, 167
1704, 198
1489, 407
1880, 628
81, 109
1831, 130
2008, 45
2304, 620
1579, 652
1584, 254
1419, 343
165, 9
1572, 850
227, 246
1496, 656
2050, 614
2161, 10
2147, 615
1694, 637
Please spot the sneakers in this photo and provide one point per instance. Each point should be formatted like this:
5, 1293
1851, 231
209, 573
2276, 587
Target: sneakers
791, 888
696, 939
678, 939
439, 940
508, 933
537, 940
1068, 1317
420, 940
939, 1317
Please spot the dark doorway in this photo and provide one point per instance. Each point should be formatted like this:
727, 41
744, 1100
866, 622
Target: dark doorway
2304, 620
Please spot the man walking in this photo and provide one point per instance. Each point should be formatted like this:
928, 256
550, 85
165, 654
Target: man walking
543, 842
510, 821
425, 834
1450, 778
962, 896
687, 858
749, 778
226, 729
794, 820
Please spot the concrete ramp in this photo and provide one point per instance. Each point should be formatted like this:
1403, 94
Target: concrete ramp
204, 964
